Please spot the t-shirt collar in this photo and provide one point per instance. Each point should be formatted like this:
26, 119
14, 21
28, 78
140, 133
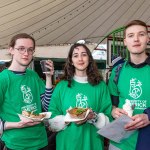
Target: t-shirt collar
146, 62
80, 79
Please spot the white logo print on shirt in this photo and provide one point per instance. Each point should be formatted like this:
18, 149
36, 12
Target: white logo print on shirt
135, 88
27, 95
81, 100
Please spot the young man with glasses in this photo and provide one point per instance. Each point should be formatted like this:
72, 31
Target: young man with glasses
22, 89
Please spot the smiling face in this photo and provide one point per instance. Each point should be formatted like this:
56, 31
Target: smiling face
136, 39
80, 60
20, 59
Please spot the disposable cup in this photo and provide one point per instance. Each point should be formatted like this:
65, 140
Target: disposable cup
43, 66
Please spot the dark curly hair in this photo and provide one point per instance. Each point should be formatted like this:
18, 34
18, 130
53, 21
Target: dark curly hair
93, 75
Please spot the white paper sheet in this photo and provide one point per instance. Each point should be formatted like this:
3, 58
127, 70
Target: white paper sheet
115, 130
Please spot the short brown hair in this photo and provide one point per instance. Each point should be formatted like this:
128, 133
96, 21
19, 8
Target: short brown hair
21, 36
135, 22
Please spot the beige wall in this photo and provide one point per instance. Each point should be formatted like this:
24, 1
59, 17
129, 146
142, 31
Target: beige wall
4, 55
45, 52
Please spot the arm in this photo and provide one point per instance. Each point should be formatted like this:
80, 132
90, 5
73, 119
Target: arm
57, 122
99, 120
1, 126
115, 100
4, 125
104, 114
46, 97
139, 121
20, 124
113, 89
116, 112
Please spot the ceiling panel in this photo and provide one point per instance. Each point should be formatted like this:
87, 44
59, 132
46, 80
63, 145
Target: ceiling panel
53, 22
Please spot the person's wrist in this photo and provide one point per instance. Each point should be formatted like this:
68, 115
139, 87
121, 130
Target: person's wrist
3, 125
95, 118
113, 111
10, 125
19, 125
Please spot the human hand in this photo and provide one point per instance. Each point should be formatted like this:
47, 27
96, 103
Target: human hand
117, 112
90, 116
21, 124
26, 122
57, 123
139, 121
50, 65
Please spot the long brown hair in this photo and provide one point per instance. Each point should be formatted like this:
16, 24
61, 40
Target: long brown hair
93, 75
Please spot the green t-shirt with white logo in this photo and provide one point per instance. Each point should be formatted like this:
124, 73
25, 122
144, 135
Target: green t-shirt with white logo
133, 84
84, 136
18, 93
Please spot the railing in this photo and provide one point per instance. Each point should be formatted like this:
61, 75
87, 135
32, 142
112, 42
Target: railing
115, 45
116, 48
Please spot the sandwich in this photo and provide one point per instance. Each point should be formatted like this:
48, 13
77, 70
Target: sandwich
77, 113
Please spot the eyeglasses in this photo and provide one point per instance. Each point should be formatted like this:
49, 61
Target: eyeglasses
22, 50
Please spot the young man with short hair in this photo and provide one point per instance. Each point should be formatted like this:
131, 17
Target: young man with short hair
133, 83
21, 89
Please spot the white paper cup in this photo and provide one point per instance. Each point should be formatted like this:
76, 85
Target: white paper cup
43, 67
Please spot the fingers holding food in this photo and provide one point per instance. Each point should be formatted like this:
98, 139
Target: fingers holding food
33, 115
26, 113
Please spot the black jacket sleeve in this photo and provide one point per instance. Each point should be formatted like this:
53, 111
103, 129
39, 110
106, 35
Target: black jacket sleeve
115, 100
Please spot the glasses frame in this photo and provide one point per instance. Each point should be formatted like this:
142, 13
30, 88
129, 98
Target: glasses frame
22, 50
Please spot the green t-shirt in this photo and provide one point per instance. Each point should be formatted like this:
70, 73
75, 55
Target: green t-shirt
18, 93
85, 136
133, 84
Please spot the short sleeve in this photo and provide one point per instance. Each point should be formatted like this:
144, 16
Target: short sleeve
112, 85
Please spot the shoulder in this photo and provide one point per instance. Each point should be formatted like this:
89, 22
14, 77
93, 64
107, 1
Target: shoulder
4, 74
119, 66
31, 72
115, 73
117, 69
4, 78
102, 85
62, 83
60, 87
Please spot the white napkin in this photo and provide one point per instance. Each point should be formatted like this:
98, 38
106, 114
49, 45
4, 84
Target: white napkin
115, 130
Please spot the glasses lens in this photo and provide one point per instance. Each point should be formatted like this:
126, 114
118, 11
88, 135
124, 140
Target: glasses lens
30, 50
22, 50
